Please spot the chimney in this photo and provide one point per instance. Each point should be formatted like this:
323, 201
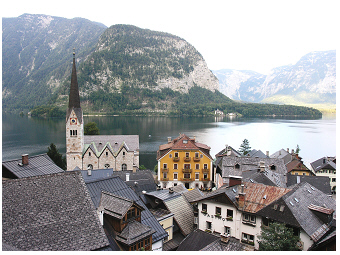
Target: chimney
241, 197
24, 159
169, 139
171, 190
225, 238
292, 151
134, 168
267, 153
127, 177
298, 179
262, 166
288, 150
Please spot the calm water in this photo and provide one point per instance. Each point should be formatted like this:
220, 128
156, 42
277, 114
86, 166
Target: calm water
316, 138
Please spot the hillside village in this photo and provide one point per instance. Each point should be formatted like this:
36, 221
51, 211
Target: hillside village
195, 202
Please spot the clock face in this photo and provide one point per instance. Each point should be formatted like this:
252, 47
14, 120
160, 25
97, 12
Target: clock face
73, 121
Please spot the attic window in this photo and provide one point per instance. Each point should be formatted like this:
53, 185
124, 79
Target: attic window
296, 199
265, 197
272, 167
275, 206
185, 141
312, 188
282, 207
100, 143
234, 190
237, 166
291, 203
251, 180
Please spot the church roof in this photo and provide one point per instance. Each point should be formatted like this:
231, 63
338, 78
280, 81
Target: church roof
74, 99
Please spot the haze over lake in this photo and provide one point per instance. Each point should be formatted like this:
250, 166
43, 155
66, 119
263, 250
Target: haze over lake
316, 138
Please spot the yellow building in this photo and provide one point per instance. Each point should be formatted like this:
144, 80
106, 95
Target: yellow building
184, 161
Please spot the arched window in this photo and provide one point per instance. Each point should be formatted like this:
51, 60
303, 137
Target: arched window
107, 165
124, 167
89, 153
237, 166
90, 167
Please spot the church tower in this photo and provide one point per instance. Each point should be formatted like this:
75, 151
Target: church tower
74, 124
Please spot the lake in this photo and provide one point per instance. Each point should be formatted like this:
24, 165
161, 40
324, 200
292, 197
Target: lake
316, 138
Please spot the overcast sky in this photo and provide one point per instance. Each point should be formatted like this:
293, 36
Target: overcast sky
240, 34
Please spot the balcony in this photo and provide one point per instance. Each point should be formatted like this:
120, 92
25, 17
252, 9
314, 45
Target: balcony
205, 179
197, 159
176, 159
165, 170
187, 159
164, 179
186, 170
187, 179
205, 170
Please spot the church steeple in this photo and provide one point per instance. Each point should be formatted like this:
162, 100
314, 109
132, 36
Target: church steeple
74, 99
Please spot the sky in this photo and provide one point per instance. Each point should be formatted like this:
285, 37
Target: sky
255, 35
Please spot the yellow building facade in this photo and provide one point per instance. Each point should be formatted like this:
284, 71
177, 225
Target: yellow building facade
184, 161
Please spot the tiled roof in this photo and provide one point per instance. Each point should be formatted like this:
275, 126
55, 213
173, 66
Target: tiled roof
114, 205
232, 245
323, 163
133, 232
183, 213
118, 187
320, 182
296, 164
164, 194
50, 212
37, 165
282, 154
256, 154
160, 213
197, 240
115, 142
277, 176
173, 244
193, 195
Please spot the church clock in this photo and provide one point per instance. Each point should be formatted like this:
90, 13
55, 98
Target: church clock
73, 121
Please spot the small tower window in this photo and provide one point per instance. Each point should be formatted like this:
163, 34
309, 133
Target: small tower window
124, 167
107, 166
237, 166
90, 154
106, 153
90, 167
272, 167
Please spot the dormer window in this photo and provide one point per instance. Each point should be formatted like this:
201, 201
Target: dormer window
273, 167
237, 166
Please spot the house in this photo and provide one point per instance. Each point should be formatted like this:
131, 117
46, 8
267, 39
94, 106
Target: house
166, 219
296, 167
233, 210
199, 240
123, 217
118, 187
326, 166
120, 152
185, 161
233, 168
51, 212
309, 211
29, 166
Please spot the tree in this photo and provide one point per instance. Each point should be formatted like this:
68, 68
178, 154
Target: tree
91, 129
56, 157
244, 147
297, 149
277, 237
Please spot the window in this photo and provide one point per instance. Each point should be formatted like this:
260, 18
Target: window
246, 238
107, 166
176, 154
205, 166
227, 230
106, 153
165, 175
196, 155
175, 166
218, 211
124, 167
272, 167
209, 225
333, 179
197, 166
175, 184
230, 214
187, 154
170, 155
205, 176
165, 166
123, 153
204, 207
89, 166
90, 154
175, 176
197, 176
187, 166
73, 132
186, 176
237, 166
249, 218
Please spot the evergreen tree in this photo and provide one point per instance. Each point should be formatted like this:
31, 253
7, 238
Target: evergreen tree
56, 157
91, 129
277, 237
244, 147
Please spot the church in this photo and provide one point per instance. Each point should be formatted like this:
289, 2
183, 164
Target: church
91, 152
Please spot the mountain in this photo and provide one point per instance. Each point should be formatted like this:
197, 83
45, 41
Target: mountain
37, 55
312, 80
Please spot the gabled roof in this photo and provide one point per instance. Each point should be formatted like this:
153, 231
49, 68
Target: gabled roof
282, 154
323, 163
133, 232
320, 182
50, 212
193, 195
196, 241
116, 206
296, 164
228, 151
256, 154
183, 142
38, 165
118, 187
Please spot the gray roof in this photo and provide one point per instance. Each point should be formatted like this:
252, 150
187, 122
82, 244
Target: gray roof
114, 142
133, 232
193, 195
163, 194
118, 187
256, 154
232, 245
160, 213
37, 165
197, 240
320, 182
282, 154
114, 205
257, 177
50, 212
277, 176
323, 163
96, 174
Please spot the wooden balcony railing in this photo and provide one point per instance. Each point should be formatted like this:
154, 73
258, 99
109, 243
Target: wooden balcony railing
164, 179
205, 179
196, 159
205, 170
165, 170
176, 159
187, 159
186, 179
186, 170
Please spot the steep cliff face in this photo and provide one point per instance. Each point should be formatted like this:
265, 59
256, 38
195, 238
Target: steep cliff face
311, 80
135, 57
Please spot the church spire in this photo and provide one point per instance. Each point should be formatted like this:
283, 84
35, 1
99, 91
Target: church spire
74, 100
